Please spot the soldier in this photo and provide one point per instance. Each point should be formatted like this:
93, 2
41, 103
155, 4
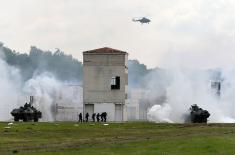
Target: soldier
102, 117
98, 117
80, 117
87, 117
105, 116
93, 117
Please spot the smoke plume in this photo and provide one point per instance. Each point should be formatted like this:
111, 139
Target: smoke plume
183, 87
47, 90
10, 86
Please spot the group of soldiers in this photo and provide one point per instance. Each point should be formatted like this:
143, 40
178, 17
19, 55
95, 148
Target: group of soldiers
95, 117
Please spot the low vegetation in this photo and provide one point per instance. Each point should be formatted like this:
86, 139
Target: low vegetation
116, 138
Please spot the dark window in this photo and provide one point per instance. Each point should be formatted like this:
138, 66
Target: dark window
115, 83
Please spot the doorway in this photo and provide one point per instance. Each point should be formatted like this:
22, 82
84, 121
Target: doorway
118, 112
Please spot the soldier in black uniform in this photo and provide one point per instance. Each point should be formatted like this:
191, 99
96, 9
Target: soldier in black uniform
93, 117
87, 117
102, 117
105, 116
80, 117
98, 117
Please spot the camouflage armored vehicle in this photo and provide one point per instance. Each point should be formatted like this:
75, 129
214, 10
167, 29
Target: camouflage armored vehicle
198, 115
26, 113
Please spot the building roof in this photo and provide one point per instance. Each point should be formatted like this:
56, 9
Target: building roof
106, 50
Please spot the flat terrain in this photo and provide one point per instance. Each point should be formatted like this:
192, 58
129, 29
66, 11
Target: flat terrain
117, 138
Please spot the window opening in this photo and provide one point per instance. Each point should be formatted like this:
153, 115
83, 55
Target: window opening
115, 82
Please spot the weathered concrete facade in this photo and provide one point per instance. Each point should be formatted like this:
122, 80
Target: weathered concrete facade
105, 82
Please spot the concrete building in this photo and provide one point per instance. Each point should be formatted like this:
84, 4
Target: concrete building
105, 82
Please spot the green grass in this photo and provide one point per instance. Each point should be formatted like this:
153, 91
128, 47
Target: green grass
117, 138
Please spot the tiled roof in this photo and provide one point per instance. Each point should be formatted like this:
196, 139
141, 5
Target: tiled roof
106, 50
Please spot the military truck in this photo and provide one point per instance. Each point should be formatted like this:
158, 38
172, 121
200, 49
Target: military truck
198, 115
26, 113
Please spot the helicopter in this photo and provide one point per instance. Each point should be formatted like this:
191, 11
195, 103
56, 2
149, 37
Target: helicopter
142, 20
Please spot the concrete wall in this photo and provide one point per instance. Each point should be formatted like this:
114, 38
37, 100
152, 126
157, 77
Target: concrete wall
69, 103
132, 111
98, 73
136, 108
97, 84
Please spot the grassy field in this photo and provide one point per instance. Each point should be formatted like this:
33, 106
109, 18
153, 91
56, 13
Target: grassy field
117, 138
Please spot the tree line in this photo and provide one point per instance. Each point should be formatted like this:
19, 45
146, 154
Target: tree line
63, 66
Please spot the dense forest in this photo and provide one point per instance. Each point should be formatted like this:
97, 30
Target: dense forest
64, 67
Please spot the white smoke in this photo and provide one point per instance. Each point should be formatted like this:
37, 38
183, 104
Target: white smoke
160, 113
45, 88
49, 92
190, 86
10, 86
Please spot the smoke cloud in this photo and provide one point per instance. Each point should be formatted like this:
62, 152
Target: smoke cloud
183, 86
10, 86
47, 90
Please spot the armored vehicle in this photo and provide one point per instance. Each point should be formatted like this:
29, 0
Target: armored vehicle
26, 113
198, 115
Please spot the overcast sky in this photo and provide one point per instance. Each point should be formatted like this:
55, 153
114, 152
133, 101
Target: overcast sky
184, 32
